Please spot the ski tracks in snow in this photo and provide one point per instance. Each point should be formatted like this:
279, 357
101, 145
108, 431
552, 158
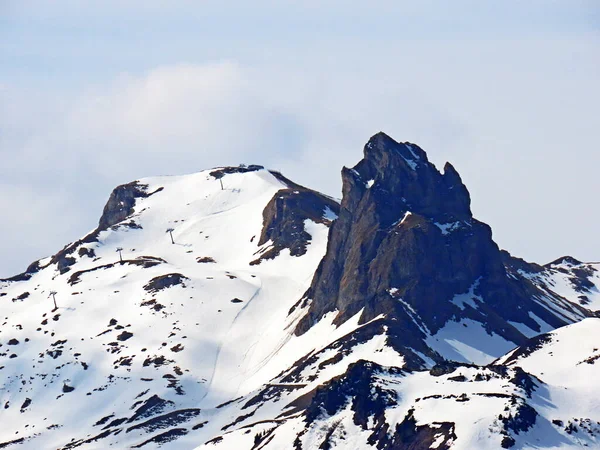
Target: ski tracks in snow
227, 337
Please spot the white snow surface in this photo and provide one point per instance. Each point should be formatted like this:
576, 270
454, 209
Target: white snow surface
406, 215
467, 341
218, 349
468, 299
447, 228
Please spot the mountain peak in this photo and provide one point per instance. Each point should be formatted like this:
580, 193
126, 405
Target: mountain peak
566, 260
406, 245
381, 150
398, 177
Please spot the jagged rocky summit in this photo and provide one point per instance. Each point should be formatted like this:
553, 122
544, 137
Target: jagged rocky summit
406, 247
280, 318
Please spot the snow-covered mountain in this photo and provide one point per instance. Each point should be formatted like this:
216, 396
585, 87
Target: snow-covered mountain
235, 309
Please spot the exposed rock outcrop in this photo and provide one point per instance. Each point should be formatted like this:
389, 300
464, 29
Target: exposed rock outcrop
284, 217
222, 171
405, 244
121, 203
159, 283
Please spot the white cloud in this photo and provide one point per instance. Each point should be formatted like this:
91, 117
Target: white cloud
516, 117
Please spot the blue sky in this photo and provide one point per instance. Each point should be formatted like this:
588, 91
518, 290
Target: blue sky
94, 94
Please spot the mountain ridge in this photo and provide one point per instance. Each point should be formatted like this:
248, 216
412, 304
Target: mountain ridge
212, 339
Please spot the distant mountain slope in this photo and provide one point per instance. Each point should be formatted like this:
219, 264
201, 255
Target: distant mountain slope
540, 395
236, 309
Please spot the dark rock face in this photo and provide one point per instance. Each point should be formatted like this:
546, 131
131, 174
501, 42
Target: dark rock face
420, 437
514, 264
284, 216
142, 261
151, 406
21, 297
165, 437
119, 207
124, 336
355, 386
523, 420
121, 203
222, 171
89, 252
406, 236
64, 263
568, 260
369, 402
166, 420
205, 259
159, 283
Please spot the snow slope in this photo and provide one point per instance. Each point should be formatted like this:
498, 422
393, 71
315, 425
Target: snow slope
117, 344
543, 395
574, 279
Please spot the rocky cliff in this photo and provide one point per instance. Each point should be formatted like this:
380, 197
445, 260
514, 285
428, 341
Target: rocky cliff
407, 248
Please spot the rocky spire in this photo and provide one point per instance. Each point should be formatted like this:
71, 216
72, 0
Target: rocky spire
405, 244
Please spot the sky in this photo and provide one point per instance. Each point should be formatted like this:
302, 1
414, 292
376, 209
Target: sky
97, 94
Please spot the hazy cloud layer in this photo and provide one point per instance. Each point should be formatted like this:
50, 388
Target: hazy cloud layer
514, 108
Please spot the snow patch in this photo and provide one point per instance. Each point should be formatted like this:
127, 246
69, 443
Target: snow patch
468, 341
412, 164
401, 221
468, 298
447, 228
411, 150
415, 317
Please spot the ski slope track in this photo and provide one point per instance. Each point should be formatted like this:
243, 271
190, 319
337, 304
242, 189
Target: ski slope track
235, 309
